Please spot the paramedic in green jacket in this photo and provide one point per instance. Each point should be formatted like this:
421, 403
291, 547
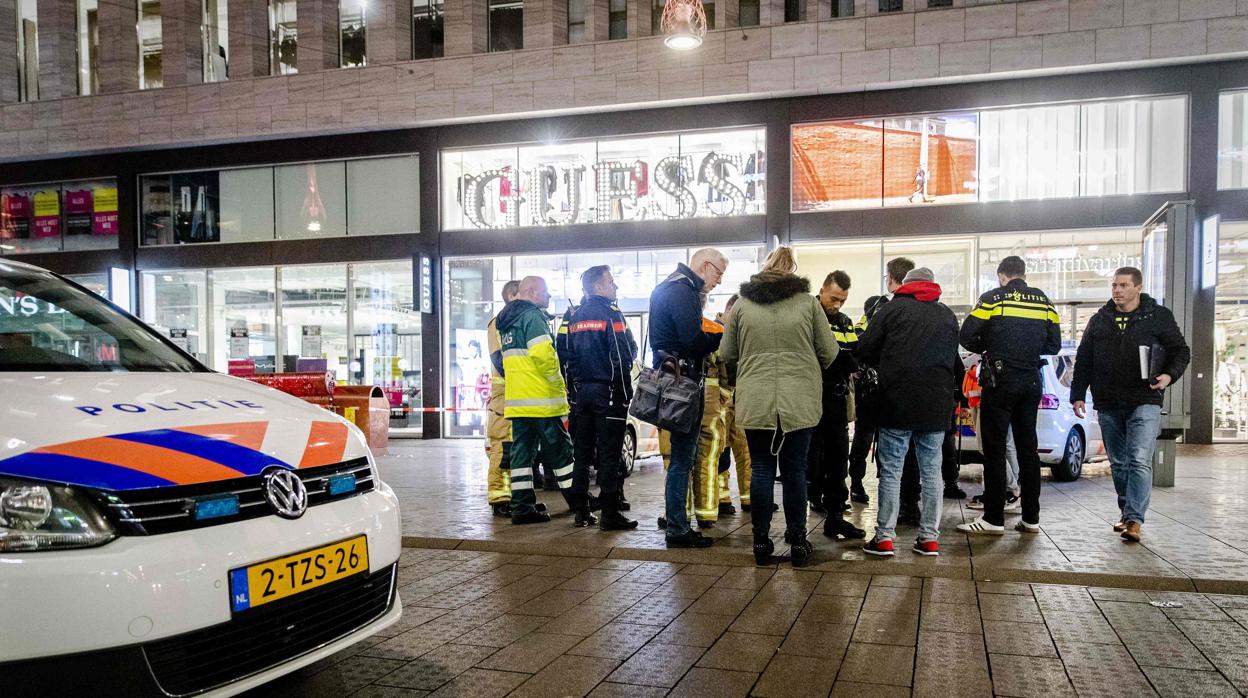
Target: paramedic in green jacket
536, 399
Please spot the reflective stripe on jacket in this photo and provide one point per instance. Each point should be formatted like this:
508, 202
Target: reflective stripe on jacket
534, 386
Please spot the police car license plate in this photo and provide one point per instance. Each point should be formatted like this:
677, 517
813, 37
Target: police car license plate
283, 577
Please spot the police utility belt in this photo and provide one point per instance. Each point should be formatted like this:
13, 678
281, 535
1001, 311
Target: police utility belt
993, 371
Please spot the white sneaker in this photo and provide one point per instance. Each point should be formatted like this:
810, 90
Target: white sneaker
1013, 503
981, 527
976, 503
1024, 527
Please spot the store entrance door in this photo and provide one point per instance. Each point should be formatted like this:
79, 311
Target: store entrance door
639, 323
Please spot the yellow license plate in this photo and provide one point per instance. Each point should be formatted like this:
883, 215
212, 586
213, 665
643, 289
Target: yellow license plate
273, 580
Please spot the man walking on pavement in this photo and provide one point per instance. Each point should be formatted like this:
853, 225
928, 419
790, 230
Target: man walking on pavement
600, 354
914, 341
536, 399
1011, 327
676, 332
1131, 351
828, 458
498, 429
865, 426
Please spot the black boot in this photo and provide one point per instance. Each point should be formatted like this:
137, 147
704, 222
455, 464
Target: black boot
531, 518
612, 520
623, 505
799, 548
839, 528
909, 515
858, 494
763, 548
585, 519
502, 509
726, 509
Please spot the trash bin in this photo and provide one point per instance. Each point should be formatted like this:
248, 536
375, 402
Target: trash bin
372, 412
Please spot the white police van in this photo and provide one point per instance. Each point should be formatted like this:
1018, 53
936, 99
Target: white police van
166, 530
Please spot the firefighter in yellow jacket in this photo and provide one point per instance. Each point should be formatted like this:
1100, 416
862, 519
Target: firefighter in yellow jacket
498, 428
536, 401
734, 440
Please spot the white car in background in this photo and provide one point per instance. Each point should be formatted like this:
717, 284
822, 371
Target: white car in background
1065, 442
166, 530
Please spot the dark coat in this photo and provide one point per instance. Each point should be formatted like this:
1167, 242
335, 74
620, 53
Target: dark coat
913, 339
1108, 359
676, 320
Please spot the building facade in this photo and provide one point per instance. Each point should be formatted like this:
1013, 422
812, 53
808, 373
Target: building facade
315, 184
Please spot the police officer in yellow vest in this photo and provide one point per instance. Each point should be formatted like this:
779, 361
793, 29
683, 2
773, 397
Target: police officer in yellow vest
498, 429
536, 401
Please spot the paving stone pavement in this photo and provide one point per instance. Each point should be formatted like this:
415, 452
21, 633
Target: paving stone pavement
1194, 539
676, 629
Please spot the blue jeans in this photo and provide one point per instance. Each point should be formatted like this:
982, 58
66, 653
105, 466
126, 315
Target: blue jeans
891, 455
764, 445
676, 487
1130, 436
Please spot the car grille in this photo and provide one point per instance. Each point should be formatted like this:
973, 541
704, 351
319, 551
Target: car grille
260, 638
167, 509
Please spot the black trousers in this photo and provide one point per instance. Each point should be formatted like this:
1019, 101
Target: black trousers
827, 461
864, 436
600, 422
1011, 403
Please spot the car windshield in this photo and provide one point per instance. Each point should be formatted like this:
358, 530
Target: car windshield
48, 324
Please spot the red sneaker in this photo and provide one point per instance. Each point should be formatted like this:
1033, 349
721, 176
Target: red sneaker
927, 547
882, 547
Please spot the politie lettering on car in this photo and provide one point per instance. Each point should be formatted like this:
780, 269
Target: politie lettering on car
166, 530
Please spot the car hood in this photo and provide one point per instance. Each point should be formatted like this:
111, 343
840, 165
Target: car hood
124, 431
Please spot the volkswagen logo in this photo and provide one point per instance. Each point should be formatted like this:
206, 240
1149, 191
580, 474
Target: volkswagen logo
284, 491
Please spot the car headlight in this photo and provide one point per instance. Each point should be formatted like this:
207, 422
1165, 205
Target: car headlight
38, 516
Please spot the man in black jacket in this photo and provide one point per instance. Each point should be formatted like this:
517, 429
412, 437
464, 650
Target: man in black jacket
1011, 327
1131, 351
828, 458
914, 341
599, 357
676, 332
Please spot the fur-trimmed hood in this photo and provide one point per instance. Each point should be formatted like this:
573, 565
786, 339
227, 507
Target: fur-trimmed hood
769, 287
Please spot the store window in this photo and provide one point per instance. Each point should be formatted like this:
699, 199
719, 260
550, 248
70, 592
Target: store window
328, 199
283, 37
576, 21
1230, 335
244, 312
427, 34
1093, 149
27, 51
352, 37
151, 45
95, 283
653, 177
617, 19
88, 47
506, 24
314, 319
472, 287
215, 33
1233, 140
175, 303
69, 216
386, 346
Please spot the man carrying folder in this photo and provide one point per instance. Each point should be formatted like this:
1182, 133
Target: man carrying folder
1131, 351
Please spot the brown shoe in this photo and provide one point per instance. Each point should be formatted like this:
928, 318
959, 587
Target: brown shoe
1120, 526
1132, 532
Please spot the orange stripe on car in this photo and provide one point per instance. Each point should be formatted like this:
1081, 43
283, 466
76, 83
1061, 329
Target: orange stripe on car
246, 434
326, 443
174, 466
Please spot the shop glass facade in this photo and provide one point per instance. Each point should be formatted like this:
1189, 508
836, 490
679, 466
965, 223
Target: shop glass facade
1074, 150
1230, 335
309, 200
472, 287
356, 321
59, 216
652, 177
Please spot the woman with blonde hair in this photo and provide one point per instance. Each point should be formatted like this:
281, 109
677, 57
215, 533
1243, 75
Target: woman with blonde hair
779, 340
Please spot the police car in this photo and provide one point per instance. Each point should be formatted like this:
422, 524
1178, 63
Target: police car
166, 530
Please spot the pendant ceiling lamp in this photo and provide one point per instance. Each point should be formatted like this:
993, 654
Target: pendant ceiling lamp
683, 24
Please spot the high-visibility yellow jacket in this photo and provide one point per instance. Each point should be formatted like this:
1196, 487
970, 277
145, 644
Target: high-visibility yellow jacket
534, 386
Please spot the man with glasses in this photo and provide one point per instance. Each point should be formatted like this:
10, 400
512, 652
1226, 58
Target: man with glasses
676, 331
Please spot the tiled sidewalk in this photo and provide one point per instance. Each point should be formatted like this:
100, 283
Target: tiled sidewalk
480, 624
1196, 538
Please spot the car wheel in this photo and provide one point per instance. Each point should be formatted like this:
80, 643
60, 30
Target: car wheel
1071, 465
630, 451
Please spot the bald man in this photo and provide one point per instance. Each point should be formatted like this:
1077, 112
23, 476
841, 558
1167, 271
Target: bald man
536, 400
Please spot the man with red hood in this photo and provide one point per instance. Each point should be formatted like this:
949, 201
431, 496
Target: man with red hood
914, 341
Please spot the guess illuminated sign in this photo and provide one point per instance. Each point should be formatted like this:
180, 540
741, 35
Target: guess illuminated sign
663, 178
